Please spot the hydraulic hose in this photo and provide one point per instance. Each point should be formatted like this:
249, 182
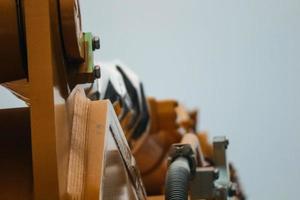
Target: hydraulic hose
177, 180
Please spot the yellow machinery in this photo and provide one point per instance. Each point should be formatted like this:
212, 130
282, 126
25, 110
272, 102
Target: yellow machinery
89, 132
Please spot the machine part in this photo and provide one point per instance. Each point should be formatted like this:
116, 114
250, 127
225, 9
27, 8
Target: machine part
99, 151
96, 43
182, 166
153, 164
144, 117
186, 120
214, 182
192, 139
48, 93
97, 72
206, 146
140, 119
72, 34
122, 87
220, 145
13, 63
186, 151
237, 186
202, 184
51, 168
161, 134
93, 91
84, 72
177, 179
163, 116
88, 65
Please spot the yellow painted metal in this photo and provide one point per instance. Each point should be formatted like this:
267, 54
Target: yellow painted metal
48, 89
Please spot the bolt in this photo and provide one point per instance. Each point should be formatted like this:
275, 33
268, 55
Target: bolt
216, 174
95, 43
97, 72
226, 144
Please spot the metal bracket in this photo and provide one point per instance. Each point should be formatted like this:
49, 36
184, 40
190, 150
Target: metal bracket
214, 182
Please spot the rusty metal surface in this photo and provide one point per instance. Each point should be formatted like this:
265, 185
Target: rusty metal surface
11, 58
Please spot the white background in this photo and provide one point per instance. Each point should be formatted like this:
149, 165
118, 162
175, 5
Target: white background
236, 60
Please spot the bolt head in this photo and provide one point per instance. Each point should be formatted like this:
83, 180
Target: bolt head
226, 144
97, 72
96, 43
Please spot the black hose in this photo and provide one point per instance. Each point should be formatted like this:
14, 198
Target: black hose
177, 180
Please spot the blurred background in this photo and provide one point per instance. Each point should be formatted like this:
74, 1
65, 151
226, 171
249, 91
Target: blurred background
237, 61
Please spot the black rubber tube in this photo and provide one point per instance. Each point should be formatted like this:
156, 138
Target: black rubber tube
177, 180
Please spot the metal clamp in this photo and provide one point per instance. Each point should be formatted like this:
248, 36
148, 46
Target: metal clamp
183, 150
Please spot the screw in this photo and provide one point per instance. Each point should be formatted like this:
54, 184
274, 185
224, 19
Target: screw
97, 72
95, 43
